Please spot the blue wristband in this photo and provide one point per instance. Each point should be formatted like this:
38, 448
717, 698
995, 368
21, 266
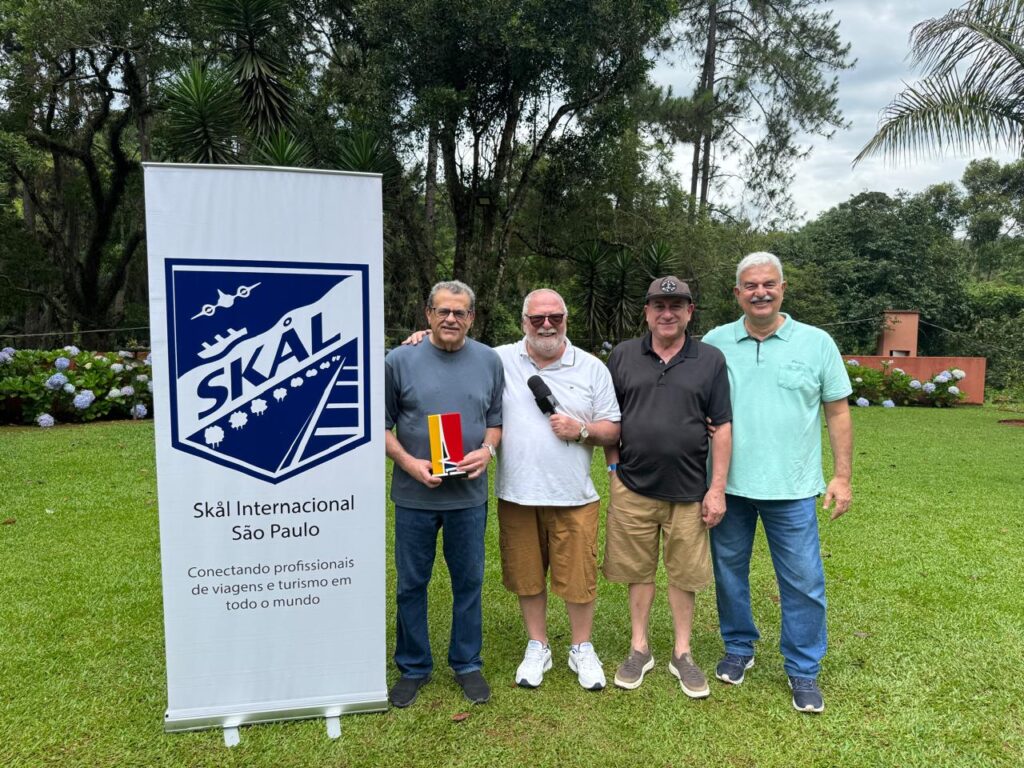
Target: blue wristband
613, 467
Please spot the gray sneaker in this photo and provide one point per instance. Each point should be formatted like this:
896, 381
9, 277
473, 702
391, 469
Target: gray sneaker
694, 684
631, 672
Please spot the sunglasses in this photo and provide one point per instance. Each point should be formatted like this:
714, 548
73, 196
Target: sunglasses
443, 312
537, 321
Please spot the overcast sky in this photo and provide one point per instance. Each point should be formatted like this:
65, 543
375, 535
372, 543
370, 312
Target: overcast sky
878, 32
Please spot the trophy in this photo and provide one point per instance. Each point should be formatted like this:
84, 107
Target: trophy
445, 444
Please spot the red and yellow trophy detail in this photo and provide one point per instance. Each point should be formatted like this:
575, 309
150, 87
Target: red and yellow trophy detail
445, 444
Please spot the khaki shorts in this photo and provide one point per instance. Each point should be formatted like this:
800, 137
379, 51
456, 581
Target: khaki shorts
633, 531
532, 539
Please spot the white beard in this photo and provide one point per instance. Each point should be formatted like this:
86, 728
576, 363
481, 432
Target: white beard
546, 346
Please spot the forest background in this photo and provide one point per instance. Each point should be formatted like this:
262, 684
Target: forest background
522, 143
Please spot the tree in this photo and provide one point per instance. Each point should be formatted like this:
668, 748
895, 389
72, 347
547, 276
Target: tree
76, 81
876, 252
497, 83
993, 212
973, 62
766, 77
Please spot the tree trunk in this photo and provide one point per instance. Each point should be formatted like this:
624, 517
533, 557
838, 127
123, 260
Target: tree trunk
709, 85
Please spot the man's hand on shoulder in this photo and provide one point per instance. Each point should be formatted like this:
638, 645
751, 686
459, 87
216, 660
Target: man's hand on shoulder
415, 338
840, 494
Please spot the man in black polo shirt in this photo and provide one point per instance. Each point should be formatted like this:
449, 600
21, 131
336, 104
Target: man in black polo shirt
669, 387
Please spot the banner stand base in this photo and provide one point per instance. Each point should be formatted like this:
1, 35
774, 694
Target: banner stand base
333, 727
231, 736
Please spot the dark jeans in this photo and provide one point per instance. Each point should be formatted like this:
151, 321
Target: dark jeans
791, 528
463, 546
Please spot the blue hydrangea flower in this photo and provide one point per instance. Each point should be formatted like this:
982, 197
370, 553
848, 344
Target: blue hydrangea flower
928, 387
888, 404
44, 420
958, 374
142, 377
146, 361
117, 367
69, 388
126, 355
852, 362
114, 393
4, 356
83, 399
9, 351
128, 391
954, 390
55, 382
914, 384
72, 350
863, 402
606, 345
139, 411
61, 363
941, 378
149, 385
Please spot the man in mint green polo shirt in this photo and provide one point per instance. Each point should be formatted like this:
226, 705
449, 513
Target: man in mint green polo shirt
781, 373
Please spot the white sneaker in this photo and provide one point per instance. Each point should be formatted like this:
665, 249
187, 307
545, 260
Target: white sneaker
536, 661
584, 662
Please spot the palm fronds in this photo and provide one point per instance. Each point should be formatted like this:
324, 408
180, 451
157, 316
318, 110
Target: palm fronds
972, 94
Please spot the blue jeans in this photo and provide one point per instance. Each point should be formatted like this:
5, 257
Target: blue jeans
463, 546
791, 528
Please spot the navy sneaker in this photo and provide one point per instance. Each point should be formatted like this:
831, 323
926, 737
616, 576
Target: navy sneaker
474, 686
404, 692
806, 695
731, 668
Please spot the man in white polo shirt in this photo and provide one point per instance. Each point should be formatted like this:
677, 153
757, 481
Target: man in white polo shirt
547, 504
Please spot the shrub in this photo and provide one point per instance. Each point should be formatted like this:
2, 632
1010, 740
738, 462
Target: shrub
70, 385
891, 386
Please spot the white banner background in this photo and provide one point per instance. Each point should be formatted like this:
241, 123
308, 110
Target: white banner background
303, 650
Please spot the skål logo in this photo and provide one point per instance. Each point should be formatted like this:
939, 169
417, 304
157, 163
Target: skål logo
268, 361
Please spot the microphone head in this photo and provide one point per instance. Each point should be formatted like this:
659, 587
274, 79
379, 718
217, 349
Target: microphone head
542, 394
538, 386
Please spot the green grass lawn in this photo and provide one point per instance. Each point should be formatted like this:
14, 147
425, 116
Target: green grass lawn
926, 619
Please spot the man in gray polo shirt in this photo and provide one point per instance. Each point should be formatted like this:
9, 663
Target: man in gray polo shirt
450, 374
669, 387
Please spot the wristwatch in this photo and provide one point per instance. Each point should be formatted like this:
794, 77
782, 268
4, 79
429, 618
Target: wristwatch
584, 434
490, 448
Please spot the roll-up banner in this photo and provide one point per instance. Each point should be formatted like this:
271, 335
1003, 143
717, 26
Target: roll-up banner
266, 308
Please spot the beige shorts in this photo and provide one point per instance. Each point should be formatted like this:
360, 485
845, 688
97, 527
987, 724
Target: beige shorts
636, 526
532, 539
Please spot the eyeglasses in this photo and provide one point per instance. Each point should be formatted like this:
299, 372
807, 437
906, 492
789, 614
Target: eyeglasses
443, 312
537, 321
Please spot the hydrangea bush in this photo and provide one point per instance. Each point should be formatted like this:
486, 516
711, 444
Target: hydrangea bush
891, 386
72, 385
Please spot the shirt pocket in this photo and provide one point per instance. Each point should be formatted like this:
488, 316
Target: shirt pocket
797, 375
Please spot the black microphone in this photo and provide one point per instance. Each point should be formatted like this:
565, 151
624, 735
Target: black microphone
542, 393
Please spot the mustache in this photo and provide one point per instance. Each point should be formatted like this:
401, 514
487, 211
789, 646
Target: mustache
761, 300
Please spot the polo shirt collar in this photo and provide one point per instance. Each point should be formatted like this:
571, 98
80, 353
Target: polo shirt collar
689, 348
568, 355
784, 331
